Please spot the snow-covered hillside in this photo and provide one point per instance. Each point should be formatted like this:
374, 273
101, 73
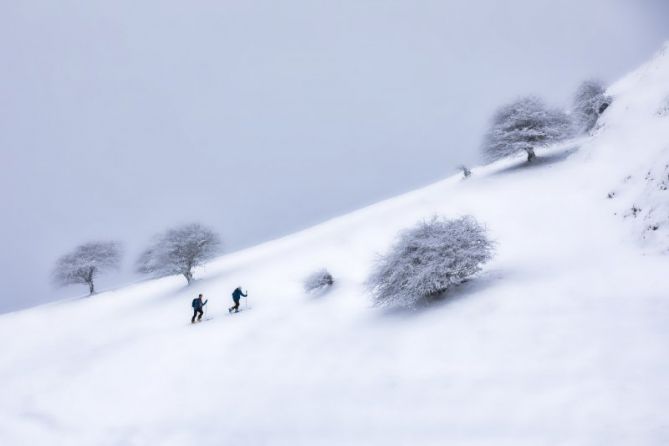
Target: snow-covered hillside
561, 340
641, 193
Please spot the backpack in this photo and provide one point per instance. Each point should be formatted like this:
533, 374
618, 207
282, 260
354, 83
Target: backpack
195, 303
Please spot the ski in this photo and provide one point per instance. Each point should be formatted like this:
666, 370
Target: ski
230, 313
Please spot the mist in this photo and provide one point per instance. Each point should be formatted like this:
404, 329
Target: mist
259, 118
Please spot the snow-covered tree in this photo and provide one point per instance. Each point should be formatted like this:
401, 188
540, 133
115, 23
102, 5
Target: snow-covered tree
179, 250
523, 125
82, 265
318, 280
428, 259
589, 102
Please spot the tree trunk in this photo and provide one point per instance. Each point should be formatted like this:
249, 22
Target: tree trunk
530, 154
189, 276
89, 281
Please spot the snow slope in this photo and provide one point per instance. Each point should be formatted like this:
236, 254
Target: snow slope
642, 193
562, 340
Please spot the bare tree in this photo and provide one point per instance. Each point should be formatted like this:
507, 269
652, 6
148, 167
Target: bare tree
524, 125
179, 250
428, 259
589, 103
318, 280
82, 265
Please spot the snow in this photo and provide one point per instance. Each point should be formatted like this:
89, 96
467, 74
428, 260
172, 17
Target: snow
642, 147
562, 339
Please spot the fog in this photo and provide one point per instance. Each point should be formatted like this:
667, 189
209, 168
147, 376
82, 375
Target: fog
259, 118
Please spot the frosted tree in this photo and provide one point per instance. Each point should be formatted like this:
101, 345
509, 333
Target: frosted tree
318, 280
589, 102
428, 259
83, 265
179, 250
522, 126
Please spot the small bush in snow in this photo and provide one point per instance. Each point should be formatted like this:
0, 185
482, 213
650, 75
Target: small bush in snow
179, 250
82, 265
428, 259
466, 171
318, 280
589, 102
522, 126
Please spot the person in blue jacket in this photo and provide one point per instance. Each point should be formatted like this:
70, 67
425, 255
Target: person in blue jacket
197, 308
236, 295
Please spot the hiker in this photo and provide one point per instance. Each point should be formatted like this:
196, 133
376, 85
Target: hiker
197, 308
236, 295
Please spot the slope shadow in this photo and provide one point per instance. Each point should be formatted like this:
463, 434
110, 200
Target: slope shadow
466, 290
540, 161
181, 291
320, 293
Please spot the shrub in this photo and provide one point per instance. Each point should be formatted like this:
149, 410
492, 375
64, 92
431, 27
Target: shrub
466, 171
318, 280
428, 259
589, 102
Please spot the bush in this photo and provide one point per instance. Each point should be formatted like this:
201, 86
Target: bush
428, 259
466, 171
318, 280
589, 102
522, 126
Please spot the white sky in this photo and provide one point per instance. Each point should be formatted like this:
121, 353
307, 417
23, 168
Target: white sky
258, 118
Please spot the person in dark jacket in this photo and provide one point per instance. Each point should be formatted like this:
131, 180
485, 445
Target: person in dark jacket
236, 295
197, 308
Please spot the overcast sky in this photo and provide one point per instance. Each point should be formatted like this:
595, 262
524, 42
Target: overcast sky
259, 118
